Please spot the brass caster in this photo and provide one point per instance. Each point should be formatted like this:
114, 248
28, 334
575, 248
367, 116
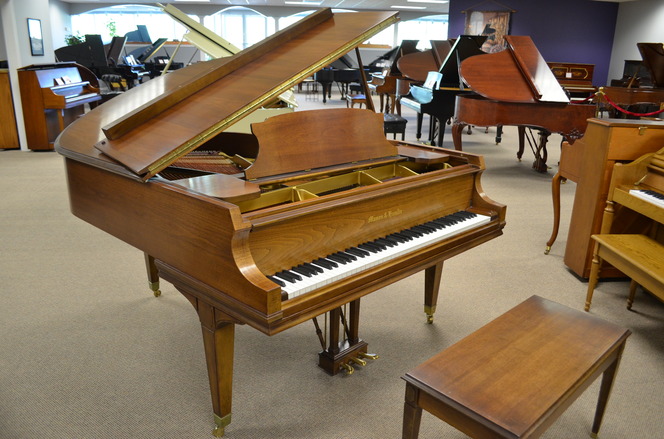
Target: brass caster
547, 249
358, 361
429, 318
154, 286
347, 368
368, 356
220, 424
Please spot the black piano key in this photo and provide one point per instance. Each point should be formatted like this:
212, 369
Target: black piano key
386, 242
314, 268
411, 233
288, 276
369, 247
336, 258
402, 236
357, 252
277, 281
325, 263
303, 271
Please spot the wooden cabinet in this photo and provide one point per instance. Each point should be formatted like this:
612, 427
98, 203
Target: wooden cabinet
8, 132
606, 142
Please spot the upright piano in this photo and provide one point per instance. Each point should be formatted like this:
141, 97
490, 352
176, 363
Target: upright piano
575, 78
639, 188
312, 211
437, 95
52, 96
590, 162
384, 84
516, 87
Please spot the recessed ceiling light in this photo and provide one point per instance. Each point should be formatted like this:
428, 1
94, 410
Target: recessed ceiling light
429, 1
408, 7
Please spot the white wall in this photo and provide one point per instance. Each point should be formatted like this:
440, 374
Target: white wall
60, 22
14, 15
638, 22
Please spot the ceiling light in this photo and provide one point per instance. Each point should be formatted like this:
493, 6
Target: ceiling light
408, 7
303, 3
429, 1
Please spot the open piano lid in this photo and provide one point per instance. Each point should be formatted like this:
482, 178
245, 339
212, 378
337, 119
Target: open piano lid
517, 74
149, 127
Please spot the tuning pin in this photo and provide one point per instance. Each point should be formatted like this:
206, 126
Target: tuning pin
359, 361
368, 356
347, 368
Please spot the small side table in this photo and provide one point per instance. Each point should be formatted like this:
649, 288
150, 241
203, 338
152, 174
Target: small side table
516, 375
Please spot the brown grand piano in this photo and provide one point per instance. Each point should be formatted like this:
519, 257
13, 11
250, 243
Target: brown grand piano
52, 96
637, 98
516, 87
312, 211
384, 84
436, 96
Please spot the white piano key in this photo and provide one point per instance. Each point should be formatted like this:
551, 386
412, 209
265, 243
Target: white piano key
343, 271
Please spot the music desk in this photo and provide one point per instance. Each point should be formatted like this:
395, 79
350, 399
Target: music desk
516, 375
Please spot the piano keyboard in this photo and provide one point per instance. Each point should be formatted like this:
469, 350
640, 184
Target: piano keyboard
651, 196
310, 276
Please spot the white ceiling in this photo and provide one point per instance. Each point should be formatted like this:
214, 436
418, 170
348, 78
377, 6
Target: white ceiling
428, 6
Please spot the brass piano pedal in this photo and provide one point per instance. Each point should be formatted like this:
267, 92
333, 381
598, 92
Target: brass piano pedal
358, 361
347, 368
368, 356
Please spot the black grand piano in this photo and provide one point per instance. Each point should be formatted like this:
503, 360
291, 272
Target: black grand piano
342, 71
437, 95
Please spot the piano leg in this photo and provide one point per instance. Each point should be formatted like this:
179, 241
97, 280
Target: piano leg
555, 195
432, 277
457, 131
153, 275
218, 340
418, 134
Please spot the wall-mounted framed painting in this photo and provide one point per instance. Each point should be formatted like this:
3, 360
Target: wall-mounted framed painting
494, 24
36, 37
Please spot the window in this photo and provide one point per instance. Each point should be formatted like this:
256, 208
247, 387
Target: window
240, 26
425, 29
125, 18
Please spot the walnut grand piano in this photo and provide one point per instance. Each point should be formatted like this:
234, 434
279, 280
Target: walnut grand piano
516, 87
312, 211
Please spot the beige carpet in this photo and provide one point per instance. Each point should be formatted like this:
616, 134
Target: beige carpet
87, 352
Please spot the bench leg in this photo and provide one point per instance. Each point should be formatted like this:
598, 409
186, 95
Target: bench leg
412, 414
632, 293
594, 274
608, 378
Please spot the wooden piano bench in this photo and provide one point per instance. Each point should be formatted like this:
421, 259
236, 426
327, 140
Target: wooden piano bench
395, 124
638, 256
351, 100
516, 375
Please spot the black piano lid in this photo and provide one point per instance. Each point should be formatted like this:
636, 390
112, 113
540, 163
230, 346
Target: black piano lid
150, 126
